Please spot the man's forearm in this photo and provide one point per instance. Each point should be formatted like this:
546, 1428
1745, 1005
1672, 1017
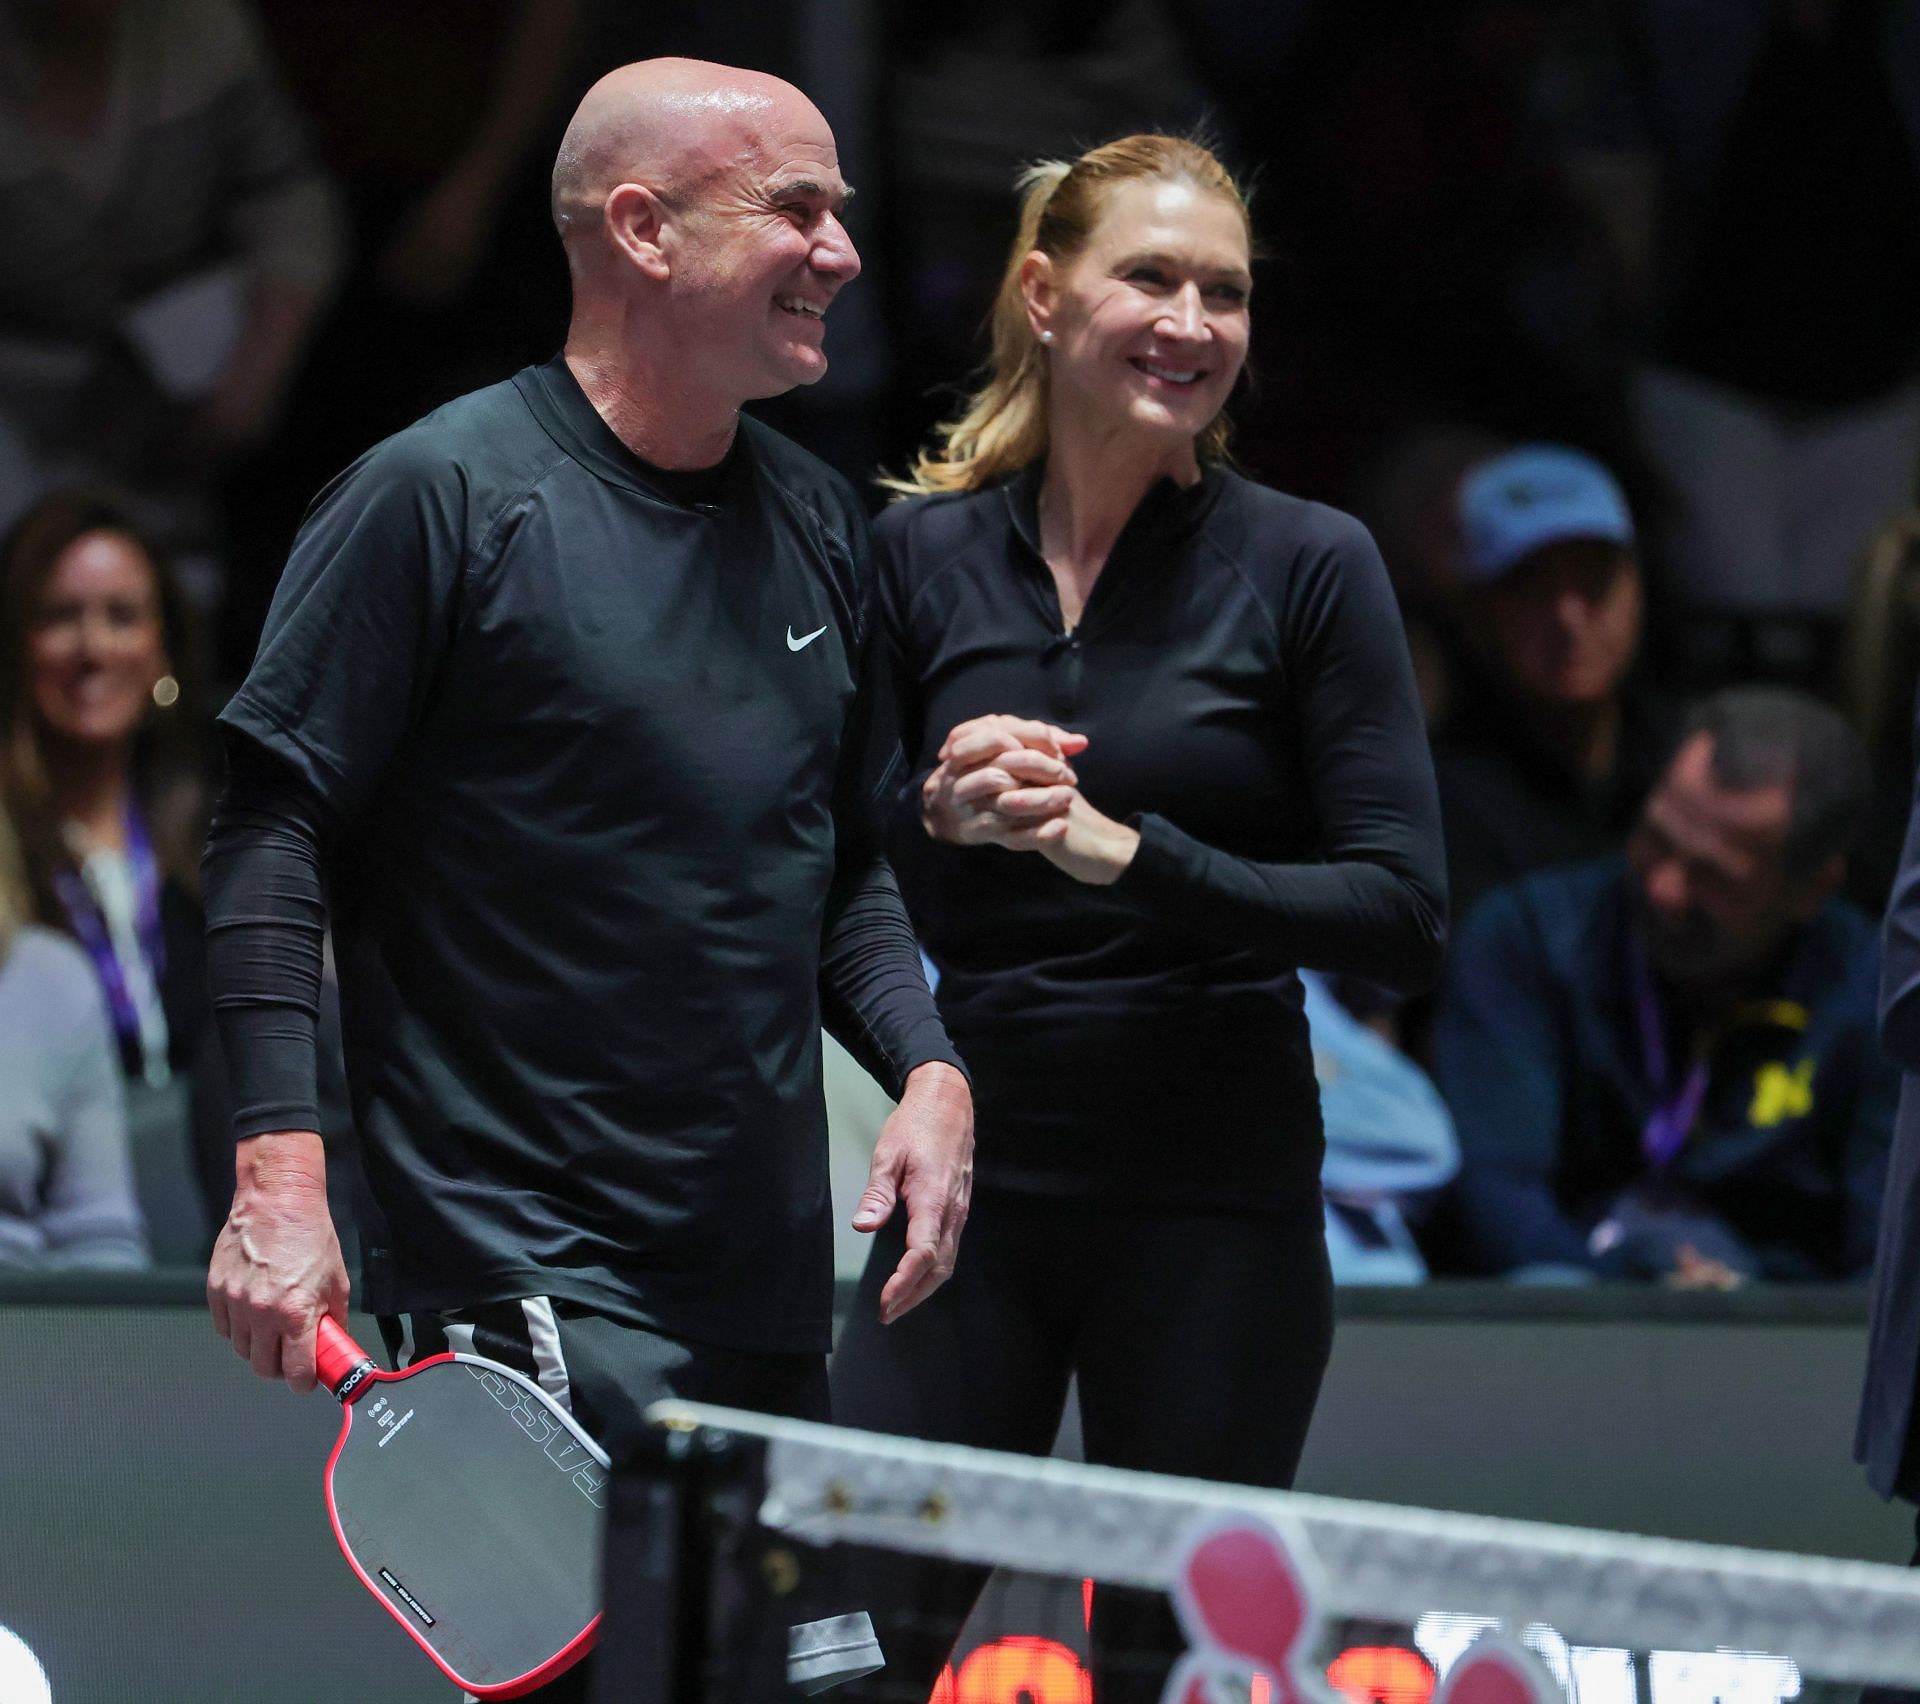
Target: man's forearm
266, 927
874, 997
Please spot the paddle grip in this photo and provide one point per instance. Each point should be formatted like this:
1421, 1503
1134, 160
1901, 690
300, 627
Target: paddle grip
341, 1363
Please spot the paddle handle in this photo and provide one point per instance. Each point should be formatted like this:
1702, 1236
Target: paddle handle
341, 1363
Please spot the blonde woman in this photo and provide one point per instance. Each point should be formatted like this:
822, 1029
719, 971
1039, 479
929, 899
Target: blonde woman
66, 1185
1170, 751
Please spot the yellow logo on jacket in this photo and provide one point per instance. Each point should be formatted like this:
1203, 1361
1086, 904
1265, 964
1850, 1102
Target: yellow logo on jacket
1781, 1092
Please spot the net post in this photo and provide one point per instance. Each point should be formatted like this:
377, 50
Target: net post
687, 1584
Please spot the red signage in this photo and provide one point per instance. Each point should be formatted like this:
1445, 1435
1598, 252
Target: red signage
1382, 1674
1024, 1670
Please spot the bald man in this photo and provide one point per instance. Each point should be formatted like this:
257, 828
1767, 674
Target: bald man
568, 706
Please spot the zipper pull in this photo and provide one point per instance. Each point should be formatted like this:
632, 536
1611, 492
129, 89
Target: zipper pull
1067, 689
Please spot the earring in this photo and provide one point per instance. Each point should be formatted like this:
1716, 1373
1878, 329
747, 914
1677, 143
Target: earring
1046, 337
166, 692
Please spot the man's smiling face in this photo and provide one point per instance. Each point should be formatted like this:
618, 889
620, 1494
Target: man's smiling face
758, 252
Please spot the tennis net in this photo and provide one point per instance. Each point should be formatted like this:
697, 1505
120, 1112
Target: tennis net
1382, 1603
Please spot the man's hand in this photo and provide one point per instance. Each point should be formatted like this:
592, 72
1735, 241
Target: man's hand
925, 1158
1695, 1271
1001, 781
276, 1265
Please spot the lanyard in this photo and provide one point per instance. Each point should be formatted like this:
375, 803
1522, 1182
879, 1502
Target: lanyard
1673, 1113
90, 927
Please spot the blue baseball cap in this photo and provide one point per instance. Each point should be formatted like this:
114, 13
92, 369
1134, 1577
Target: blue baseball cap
1539, 494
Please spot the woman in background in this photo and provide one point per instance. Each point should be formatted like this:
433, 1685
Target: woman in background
66, 1187
100, 743
1117, 912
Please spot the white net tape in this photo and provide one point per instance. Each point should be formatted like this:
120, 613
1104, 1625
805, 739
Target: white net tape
1851, 1621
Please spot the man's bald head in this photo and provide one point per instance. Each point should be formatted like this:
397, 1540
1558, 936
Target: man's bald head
671, 124
700, 208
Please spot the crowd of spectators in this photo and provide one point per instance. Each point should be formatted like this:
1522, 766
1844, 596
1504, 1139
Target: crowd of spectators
170, 242
1605, 318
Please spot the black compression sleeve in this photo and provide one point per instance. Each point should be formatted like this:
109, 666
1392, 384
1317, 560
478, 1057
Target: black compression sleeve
266, 924
874, 998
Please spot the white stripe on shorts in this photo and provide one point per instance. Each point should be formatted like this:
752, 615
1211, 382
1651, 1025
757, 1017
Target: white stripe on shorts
543, 1338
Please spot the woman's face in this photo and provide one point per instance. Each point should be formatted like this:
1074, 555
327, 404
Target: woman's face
97, 645
1149, 320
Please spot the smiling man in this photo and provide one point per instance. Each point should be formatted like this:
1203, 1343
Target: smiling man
1664, 1066
568, 692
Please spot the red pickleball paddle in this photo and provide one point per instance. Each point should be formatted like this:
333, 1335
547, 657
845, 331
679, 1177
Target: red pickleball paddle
469, 1503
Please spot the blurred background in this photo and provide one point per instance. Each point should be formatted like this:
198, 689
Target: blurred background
1680, 239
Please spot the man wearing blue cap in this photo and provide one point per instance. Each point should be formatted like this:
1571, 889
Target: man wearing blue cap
1551, 749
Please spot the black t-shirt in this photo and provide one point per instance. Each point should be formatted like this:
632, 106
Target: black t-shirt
1242, 675
598, 752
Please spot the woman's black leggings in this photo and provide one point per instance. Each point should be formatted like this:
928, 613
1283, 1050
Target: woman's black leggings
1198, 1338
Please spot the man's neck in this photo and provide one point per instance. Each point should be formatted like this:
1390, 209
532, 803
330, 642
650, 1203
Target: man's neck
647, 407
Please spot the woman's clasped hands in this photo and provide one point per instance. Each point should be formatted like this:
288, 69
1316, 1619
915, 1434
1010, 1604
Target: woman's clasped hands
1007, 781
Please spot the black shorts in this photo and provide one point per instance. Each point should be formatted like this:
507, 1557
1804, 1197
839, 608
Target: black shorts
606, 1372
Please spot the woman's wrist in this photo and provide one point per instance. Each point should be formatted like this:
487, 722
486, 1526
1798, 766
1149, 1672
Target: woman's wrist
1118, 844
1095, 848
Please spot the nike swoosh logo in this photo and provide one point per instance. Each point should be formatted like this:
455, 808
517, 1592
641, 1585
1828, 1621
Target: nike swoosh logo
802, 643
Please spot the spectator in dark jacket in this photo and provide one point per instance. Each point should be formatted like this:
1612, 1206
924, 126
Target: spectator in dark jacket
1664, 1066
1552, 743
1888, 1441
